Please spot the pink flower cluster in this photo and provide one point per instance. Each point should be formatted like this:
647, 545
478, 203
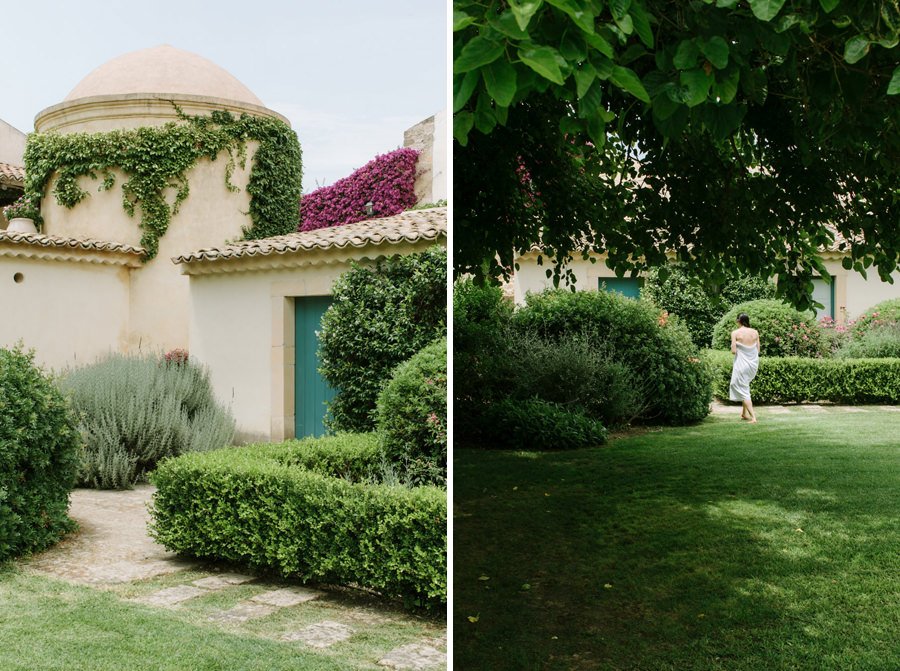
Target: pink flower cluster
387, 182
176, 357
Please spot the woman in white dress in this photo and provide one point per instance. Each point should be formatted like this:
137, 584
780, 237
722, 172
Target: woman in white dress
745, 347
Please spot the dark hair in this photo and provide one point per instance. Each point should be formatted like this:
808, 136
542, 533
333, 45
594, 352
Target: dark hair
744, 319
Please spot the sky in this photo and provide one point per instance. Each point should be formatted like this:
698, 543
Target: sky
349, 75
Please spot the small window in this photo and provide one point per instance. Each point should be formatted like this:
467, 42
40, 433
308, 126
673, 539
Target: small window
630, 287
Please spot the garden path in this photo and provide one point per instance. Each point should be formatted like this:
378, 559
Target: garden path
112, 550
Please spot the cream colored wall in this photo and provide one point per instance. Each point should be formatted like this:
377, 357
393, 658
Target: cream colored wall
12, 144
159, 294
863, 294
853, 295
70, 313
430, 138
242, 327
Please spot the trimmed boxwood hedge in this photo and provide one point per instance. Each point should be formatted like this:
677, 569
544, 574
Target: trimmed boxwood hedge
267, 507
806, 380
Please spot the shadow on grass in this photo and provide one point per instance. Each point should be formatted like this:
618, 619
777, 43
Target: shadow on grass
719, 546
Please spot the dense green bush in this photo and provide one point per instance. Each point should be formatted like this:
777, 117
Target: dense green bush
882, 314
680, 294
412, 416
536, 424
698, 305
783, 331
381, 316
356, 457
258, 507
576, 371
875, 341
38, 457
805, 380
658, 349
134, 410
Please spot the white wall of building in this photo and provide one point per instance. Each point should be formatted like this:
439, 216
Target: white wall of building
69, 313
12, 144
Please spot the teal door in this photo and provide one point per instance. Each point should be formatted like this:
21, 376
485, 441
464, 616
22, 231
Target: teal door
311, 392
630, 287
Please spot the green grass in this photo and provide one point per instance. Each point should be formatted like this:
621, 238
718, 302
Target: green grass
47, 624
718, 546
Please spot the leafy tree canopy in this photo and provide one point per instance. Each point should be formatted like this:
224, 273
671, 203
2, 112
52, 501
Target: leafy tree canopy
740, 135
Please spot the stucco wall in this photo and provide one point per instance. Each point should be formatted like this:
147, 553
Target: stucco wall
159, 294
12, 144
70, 313
853, 295
430, 138
241, 326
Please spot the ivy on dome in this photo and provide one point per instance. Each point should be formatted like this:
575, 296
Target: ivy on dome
157, 159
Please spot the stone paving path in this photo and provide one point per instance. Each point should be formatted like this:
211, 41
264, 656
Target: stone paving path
113, 549
719, 408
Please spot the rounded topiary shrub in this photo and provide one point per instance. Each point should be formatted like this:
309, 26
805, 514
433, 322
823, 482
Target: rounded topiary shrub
38, 457
380, 316
675, 383
783, 331
135, 410
412, 416
882, 314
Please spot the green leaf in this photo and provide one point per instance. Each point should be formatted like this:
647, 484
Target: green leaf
461, 20
686, 55
485, 119
500, 82
726, 4
766, 10
546, 61
597, 131
573, 47
462, 124
894, 85
599, 43
478, 51
619, 8
696, 85
463, 92
664, 106
726, 89
628, 81
829, 5
507, 25
577, 10
584, 77
716, 51
856, 49
641, 21
523, 10
626, 25
591, 104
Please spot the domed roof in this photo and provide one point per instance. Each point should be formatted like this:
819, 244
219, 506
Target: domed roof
162, 69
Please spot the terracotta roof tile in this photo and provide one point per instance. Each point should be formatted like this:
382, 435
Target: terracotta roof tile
12, 174
55, 241
409, 226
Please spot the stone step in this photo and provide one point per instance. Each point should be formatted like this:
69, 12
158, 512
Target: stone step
321, 635
242, 612
223, 580
415, 657
287, 596
172, 596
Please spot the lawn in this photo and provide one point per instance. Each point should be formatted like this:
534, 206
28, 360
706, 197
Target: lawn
48, 625
718, 546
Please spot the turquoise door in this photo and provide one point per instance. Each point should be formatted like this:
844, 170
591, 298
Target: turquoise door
630, 287
311, 392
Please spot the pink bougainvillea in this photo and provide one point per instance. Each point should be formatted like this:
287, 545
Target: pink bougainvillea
387, 182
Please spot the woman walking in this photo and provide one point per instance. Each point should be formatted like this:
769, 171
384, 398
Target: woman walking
745, 347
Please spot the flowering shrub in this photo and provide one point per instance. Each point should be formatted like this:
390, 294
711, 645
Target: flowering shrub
25, 206
878, 341
783, 331
834, 335
387, 182
886, 312
176, 357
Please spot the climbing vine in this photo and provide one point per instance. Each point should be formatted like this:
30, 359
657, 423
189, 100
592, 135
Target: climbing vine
156, 160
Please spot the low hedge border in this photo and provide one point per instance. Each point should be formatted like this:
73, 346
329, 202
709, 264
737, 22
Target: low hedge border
809, 380
259, 507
